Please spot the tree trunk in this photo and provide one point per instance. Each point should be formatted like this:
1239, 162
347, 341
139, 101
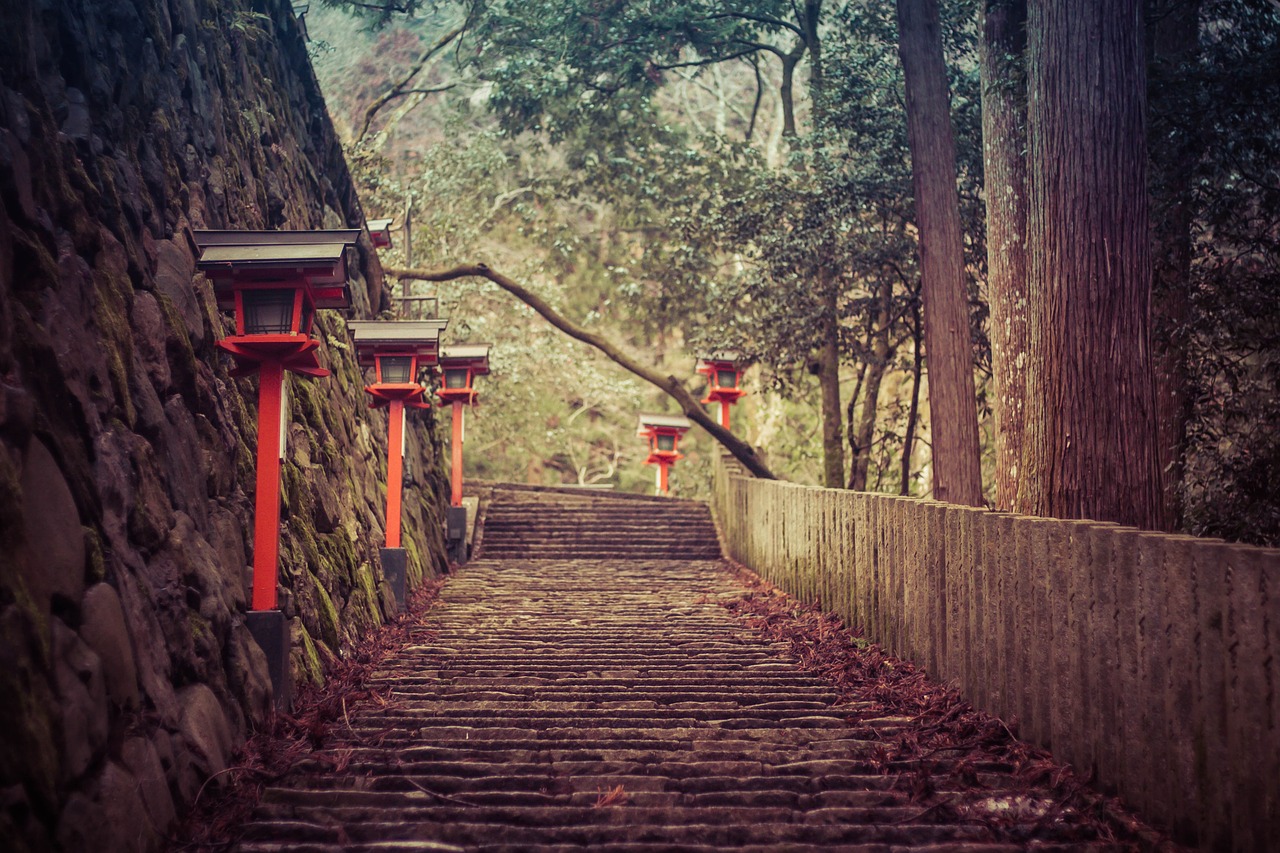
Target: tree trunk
850, 420
1004, 114
867, 424
952, 399
913, 414
829, 381
880, 354
1090, 446
1174, 39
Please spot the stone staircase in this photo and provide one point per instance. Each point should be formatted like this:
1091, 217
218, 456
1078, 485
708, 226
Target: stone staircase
563, 525
578, 703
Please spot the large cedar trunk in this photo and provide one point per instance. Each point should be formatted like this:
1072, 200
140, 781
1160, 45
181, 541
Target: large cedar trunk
957, 475
1174, 39
1004, 112
1090, 445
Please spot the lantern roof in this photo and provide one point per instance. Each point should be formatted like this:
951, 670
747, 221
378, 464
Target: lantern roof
379, 232
473, 356
665, 423
232, 258
727, 357
396, 337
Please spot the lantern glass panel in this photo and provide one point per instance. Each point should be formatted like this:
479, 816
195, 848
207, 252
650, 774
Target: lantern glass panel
268, 312
396, 368
727, 378
666, 441
455, 377
308, 315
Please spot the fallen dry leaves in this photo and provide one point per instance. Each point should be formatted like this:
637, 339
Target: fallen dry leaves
616, 796
320, 719
939, 738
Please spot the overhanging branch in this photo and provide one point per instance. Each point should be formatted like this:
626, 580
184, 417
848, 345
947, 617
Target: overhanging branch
672, 386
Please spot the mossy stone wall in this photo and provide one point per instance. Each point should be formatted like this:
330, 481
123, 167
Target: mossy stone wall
127, 676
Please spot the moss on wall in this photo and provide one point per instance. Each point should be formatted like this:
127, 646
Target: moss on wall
126, 447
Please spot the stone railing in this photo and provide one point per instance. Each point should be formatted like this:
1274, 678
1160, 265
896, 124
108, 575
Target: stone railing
1151, 660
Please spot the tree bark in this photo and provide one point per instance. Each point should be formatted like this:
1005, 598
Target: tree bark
1004, 113
828, 363
1090, 446
673, 387
913, 414
952, 399
881, 352
1174, 40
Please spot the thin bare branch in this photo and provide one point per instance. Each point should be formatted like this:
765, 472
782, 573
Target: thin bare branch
401, 88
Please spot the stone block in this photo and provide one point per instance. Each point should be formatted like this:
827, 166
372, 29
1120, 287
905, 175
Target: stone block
395, 563
1250, 742
456, 534
1183, 704
142, 760
82, 695
1149, 760
1068, 573
1002, 595
103, 628
271, 632
1036, 649
1103, 632
1127, 697
55, 552
205, 728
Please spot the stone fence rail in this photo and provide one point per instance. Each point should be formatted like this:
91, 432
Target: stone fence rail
1150, 660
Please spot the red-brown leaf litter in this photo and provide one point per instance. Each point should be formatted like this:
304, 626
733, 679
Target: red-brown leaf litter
937, 724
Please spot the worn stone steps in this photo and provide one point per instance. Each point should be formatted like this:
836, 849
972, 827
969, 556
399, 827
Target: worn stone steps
520, 527
537, 686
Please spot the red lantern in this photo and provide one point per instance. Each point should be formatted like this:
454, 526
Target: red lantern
459, 365
397, 351
275, 281
663, 432
724, 378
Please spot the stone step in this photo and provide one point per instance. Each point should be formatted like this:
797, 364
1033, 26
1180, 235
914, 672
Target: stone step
583, 652
820, 827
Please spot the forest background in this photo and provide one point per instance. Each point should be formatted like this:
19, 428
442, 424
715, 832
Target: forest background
698, 176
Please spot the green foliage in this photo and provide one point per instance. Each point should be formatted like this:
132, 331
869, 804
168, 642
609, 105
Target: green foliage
1220, 114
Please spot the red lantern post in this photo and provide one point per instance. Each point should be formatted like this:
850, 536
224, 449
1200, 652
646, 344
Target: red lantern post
274, 281
663, 433
724, 378
398, 351
459, 366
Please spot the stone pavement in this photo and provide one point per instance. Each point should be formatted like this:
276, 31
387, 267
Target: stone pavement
565, 695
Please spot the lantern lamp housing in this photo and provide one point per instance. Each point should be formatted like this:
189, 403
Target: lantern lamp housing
724, 377
397, 369
461, 364
274, 281
663, 432
397, 350
457, 378
380, 233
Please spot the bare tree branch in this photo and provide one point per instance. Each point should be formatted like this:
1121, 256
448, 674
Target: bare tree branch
672, 386
402, 88
759, 19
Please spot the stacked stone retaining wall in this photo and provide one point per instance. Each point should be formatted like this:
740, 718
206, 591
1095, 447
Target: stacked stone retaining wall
1150, 660
127, 675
